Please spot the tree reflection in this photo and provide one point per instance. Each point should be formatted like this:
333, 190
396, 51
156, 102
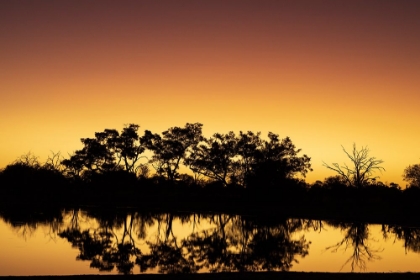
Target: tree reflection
110, 240
272, 249
103, 247
209, 248
234, 243
356, 238
168, 257
243, 246
165, 253
25, 222
122, 240
410, 236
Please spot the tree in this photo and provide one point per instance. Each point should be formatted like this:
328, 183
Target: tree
276, 162
214, 157
360, 173
247, 160
335, 182
27, 175
412, 175
109, 151
128, 148
171, 149
250, 149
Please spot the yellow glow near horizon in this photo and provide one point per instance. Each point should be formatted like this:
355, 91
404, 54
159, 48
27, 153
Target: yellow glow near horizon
321, 73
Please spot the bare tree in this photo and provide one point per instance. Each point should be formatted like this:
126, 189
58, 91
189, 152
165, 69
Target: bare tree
360, 173
28, 160
53, 162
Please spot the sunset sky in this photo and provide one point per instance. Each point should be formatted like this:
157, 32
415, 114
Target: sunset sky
324, 73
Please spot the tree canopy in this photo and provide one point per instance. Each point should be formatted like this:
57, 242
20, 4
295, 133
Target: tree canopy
247, 160
412, 175
244, 160
108, 151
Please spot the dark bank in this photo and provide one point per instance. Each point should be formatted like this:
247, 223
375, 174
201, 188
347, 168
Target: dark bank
244, 276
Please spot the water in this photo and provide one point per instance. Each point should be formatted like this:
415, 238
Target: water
96, 242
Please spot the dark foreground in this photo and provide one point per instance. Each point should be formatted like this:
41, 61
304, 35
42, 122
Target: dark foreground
255, 275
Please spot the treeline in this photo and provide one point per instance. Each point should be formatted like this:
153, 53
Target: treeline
228, 160
180, 163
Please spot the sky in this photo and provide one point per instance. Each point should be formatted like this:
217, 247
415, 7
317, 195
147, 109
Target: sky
326, 73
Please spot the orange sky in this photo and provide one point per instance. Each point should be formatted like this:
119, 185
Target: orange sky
325, 73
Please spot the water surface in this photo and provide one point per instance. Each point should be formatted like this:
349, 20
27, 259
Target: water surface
111, 242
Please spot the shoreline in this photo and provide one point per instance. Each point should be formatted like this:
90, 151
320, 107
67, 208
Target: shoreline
237, 275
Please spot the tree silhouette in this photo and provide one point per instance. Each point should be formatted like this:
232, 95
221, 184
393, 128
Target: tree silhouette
108, 151
249, 148
247, 160
276, 162
214, 158
412, 175
334, 182
360, 174
27, 177
128, 148
170, 149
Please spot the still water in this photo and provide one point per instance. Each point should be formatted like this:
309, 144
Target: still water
97, 242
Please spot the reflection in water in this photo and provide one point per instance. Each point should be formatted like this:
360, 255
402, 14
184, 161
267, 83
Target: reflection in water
356, 238
237, 244
103, 246
190, 243
25, 222
409, 235
226, 243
